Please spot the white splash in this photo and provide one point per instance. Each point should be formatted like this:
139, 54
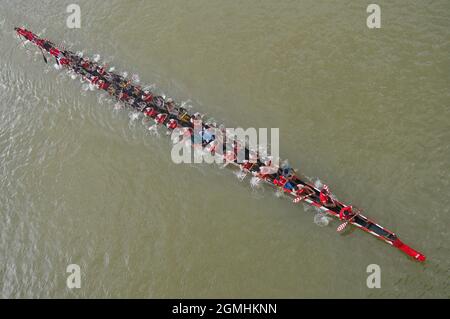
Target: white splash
154, 130
279, 193
321, 219
240, 175
135, 78
255, 182
134, 116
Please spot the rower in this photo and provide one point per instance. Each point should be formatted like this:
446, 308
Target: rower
85, 63
101, 70
124, 84
211, 147
158, 101
150, 112
94, 79
303, 191
266, 168
147, 97
103, 85
160, 118
172, 124
289, 186
196, 117
280, 180
61, 59
111, 90
170, 106
208, 135
123, 96
183, 115
136, 90
325, 197
247, 165
346, 213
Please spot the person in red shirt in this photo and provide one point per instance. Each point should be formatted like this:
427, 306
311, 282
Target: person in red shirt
303, 191
172, 124
346, 213
325, 197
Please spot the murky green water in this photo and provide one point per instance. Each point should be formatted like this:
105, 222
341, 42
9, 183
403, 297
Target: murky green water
366, 111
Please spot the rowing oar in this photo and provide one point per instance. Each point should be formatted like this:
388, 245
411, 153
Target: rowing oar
300, 198
342, 226
45, 59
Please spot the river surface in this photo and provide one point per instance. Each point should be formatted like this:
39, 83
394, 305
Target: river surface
365, 111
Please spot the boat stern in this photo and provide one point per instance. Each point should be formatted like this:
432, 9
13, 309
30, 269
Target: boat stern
409, 251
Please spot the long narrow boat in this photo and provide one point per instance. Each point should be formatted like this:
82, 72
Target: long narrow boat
166, 113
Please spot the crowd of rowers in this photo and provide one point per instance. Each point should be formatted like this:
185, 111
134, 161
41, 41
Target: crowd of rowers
165, 112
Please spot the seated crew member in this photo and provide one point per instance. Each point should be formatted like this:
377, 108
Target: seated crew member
158, 101
150, 112
325, 197
160, 118
136, 90
266, 168
62, 60
129, 90
278, 178
47, 45
196, 117
124, 84
237, 147
172, 124
208, 135
289, 186
94, 79
183, 115
303, 192
147, 97
170, 106
101, 70
111, 90
346, 213
247, 165
141, 105
85, 63
288, 172
123, 96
